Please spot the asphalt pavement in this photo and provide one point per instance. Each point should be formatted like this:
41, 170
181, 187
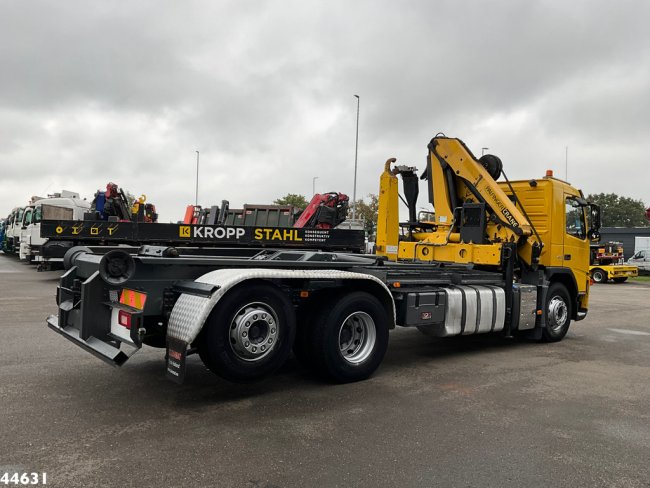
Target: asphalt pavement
466, 412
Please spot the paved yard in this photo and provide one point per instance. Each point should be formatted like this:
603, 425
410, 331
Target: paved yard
468, 412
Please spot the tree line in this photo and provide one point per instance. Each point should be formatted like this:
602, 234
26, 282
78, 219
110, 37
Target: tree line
616, 211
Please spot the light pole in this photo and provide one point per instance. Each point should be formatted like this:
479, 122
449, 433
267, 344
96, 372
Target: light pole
196, 197
356, 153
313, 185
566, 163
483, 149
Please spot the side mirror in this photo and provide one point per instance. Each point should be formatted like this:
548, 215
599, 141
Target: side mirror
594, 222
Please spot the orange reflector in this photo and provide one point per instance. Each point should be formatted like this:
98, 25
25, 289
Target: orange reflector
133, 298
304, 294
539, 312
396, 284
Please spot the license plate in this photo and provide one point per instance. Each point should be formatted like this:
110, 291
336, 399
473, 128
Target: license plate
132, 298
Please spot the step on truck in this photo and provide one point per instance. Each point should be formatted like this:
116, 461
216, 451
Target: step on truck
507, 257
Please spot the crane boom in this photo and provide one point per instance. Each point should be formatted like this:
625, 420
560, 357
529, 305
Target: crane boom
474, 216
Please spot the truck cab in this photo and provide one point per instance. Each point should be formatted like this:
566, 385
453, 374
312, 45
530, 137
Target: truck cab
559, 214
61, 206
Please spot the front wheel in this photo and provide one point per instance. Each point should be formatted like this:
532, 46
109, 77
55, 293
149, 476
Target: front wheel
599, 276
558, 313
249, 333
349, 338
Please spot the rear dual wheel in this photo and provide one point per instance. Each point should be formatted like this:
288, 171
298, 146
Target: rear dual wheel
249, 333
346, 337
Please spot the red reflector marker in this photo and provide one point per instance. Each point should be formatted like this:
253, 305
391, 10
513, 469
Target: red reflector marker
124, 319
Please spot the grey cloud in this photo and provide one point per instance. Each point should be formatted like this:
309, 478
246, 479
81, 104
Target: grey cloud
95, 91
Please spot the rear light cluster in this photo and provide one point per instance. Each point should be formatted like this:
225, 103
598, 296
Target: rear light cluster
124, 319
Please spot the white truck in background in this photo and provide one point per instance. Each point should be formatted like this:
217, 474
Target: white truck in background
12, 230
60, 206
14, 227
641, 257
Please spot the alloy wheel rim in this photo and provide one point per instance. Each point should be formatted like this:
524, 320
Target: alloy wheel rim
357, 337
254, 331
558, 312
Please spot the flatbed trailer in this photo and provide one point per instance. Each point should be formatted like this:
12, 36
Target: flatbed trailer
618, 273
62, 235
607, 262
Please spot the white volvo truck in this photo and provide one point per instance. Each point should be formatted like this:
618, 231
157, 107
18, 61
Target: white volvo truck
61, 206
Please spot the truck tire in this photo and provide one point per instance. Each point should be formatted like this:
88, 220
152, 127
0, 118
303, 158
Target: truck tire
620, 280
349, 337
599, 276
558, 313
249, 333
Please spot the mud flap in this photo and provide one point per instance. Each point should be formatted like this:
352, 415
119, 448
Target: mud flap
176, 354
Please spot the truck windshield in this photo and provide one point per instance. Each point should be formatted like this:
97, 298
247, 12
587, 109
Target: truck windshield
575, 218
19, 216
27, 217
38, 215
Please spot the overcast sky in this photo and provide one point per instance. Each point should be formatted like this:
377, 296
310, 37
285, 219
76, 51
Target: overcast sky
92, 92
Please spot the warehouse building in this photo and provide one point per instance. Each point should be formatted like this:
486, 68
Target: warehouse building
624, 235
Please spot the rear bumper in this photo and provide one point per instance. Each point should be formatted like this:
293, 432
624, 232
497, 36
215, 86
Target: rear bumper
106, 352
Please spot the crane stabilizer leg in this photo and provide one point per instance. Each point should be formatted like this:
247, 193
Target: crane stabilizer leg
387, 240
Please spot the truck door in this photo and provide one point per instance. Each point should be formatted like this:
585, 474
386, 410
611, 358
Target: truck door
576, 246
24, 230
35, 238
